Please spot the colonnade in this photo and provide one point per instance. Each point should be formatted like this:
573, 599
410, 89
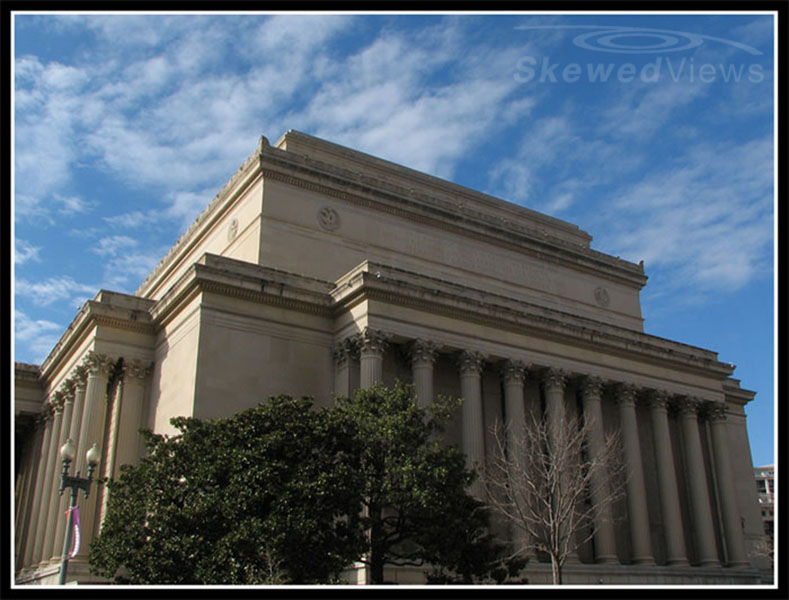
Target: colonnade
78, 410
359, 363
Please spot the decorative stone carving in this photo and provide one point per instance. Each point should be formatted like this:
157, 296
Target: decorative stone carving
592, 386
328, 218
346, 350
626, 394
514, 370
470, 362
373, 341
56, 400
601, 297
98, 364
687, 405
232, 229
136, 368
423, 351
67, 389
715, 411
79, 376
658, 399
554, 378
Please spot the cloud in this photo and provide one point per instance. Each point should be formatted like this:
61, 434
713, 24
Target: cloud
110, 246
707, 216
24, 252
55, 289
35, 336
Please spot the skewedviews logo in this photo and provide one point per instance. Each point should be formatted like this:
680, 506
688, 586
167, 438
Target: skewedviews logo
638, 41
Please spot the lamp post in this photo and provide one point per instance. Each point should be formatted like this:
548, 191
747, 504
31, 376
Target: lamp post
76, 483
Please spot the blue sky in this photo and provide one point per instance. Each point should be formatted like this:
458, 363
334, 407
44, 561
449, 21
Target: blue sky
654, 133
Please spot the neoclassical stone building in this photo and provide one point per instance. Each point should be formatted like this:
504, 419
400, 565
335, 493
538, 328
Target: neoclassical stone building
317, 270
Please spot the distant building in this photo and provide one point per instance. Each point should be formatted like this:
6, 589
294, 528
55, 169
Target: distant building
319, 270
765, 487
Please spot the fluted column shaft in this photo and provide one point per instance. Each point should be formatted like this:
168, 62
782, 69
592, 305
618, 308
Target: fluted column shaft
92, 432
54, 521
127, 449
473, 419
44, 538
513, 374
69, 416
41, 478
423, 356
636, 489
371, 357
24, 516
346, 360
697, 482
735, 542
676, 553
604, 536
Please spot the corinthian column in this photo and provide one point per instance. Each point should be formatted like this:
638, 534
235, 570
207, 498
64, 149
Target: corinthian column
636, 490
43, 539
697, 481
513, 373
735, 543
61, 501
423, 356
604, 537
33, 529
667, 479
371, 356
346, 361
135, 375
92, 432
473, 421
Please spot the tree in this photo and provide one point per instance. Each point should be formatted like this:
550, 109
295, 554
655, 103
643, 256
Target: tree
267, 496
540, 478
416, 507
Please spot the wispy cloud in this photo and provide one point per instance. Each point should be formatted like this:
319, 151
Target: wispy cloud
37, 335
55, 289
24, 252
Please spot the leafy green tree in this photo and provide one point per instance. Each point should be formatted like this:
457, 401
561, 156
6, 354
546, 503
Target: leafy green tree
416, 507
267, 496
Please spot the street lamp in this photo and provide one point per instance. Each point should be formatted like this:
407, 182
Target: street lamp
76, 483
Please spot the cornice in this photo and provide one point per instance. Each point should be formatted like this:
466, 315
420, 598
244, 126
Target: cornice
551, 324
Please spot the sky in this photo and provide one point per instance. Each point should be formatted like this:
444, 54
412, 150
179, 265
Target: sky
652, 132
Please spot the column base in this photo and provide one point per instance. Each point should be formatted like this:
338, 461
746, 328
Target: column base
643, 560
709, 563
677, 562
607, 559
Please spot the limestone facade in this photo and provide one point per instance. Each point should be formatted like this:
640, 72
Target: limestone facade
318, 270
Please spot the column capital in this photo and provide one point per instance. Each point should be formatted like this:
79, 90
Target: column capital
67, 389
514, 370
658, 400
137, 369
592, 386
373, 341
470, 362
79, 376
626, 394
97, 364
715, 412
422, 351
688, 406
554, 377
346, 350
56, 400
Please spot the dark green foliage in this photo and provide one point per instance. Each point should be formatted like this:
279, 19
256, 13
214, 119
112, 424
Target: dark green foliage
283, 493
256, 498
417, 509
